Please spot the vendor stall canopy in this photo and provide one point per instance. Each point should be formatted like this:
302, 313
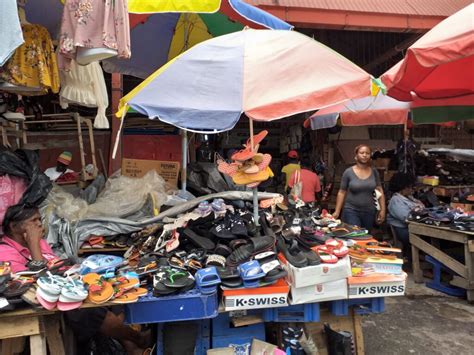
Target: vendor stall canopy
207, 88
160, 30
440, 64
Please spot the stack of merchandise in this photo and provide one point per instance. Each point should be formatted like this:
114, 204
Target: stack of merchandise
248, 167
376, 270
317, 263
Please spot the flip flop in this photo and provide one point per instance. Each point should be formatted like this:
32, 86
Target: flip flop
52, 284
126, 298
178, 279
73, 291
326, 257
18, 287
45, 295
45, 304
103, 295
273, 271
199, 241
139, 291
68, 306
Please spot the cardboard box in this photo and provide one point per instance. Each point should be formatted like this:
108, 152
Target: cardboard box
328, 291
377, 286
255, 298
317, 274
168, 170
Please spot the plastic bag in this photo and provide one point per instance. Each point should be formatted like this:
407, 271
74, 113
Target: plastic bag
66, 205
99, 263
11, 191
24, 164
124, 196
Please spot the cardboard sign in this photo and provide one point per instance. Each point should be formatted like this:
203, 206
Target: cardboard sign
168, 170
377, 286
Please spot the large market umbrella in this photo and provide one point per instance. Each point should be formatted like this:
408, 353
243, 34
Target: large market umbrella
167, 28
385, 110
266, 74
440, 64
161, 30
378, 110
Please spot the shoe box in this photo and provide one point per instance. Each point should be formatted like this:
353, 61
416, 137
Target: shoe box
316, 274
275, 295
377, 285
327, 291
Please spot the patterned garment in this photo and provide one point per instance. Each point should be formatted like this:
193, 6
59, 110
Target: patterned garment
94, 24
34, 63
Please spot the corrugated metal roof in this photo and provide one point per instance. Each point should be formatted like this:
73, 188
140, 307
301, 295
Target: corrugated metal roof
442, 8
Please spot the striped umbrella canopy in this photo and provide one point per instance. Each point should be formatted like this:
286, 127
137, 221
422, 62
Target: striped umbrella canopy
440, 64
266, 74
160, 30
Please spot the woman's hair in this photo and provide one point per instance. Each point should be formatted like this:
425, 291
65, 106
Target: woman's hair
16, 215
400, 181
356, 149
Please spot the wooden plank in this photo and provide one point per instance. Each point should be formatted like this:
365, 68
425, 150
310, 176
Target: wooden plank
415, 255
443, 258
358, 335
437, 232
462, 282
470, 246
247, 320
38, 345
18, 327
53, 334
469, 260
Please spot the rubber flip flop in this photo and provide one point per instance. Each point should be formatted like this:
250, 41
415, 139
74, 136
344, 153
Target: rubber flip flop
17, 287
139, 291
199, 241
105, 293
68, 306
178, 279
45, 304
126, 298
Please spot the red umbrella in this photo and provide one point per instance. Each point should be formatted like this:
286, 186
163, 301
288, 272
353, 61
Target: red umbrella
440, 64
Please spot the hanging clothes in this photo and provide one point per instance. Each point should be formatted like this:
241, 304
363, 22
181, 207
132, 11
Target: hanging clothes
33, 65
94, 24
85, 85
10, 28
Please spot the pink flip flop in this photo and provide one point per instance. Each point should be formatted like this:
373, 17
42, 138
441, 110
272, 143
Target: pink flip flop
45, 304
68, 306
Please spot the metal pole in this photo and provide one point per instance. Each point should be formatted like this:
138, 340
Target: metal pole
255, 189
184, 149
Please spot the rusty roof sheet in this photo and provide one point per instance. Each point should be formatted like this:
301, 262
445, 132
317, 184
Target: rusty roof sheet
442, 8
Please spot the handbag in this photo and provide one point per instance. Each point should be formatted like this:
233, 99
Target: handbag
295, 192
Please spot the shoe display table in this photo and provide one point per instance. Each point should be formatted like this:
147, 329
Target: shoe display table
427, 239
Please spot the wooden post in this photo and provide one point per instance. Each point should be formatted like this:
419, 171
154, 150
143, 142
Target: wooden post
117, 93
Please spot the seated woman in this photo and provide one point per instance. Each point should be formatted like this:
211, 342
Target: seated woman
400, 206
24, 247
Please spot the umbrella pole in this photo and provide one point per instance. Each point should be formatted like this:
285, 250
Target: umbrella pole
254, 189
184, 152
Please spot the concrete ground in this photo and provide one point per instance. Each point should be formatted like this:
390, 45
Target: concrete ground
422, 322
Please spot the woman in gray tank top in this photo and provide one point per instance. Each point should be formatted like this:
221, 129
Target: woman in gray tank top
356, 193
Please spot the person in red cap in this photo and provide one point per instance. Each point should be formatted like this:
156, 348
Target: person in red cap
293, 165
61, 168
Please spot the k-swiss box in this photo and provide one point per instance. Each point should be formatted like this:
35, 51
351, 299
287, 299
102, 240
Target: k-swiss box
378, 285
272, 296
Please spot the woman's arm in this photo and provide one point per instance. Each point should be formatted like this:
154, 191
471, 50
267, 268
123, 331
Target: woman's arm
341, 196
383, 212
